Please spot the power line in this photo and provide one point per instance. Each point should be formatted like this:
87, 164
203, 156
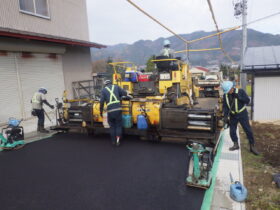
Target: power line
154, 19
219, 32
216, 34
219, 35
175, 34
263, 18
256, 20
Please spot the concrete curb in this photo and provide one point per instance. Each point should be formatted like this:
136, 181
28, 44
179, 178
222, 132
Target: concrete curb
208, 196
230, 162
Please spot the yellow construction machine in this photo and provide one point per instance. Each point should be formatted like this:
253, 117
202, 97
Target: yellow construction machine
165, 98
162, 108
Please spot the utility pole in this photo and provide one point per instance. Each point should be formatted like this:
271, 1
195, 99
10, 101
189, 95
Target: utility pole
243, 76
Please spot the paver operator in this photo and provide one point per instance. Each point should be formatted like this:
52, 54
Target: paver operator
234, 107
37, 101
167, 51
112, 95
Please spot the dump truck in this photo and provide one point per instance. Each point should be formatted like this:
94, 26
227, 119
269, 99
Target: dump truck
209, 85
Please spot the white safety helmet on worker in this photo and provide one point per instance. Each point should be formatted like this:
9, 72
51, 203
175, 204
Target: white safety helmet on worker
107, 82
166, 42
226, 86
43, 90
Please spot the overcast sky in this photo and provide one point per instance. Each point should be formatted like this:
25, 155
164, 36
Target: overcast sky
117, 21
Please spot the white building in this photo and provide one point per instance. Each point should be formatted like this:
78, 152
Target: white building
263, 63
199, 71
42, 43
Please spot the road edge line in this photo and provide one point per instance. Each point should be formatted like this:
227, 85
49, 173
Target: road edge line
208, 196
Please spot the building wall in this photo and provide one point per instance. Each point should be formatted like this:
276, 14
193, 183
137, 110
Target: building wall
21, 45
68, 18
266, 98
21, 74
76, 61
76, 66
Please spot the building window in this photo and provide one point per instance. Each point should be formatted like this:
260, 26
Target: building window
35, 7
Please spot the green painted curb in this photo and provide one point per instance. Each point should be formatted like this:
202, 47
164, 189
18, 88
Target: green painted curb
208, 196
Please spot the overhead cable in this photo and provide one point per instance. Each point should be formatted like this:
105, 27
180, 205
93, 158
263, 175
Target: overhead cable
216, 34
254, 21
154, 19
175, 34
219, 35
263, 18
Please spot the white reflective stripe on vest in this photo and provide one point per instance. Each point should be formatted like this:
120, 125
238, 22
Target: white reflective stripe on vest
112, 95
166, 52
236, 104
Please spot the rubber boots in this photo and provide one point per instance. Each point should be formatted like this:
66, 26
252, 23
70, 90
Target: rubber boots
118, 141
43, 130
253, 149
234, 147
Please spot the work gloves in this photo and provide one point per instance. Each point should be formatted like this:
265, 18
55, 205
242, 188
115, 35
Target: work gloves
47, 103
235, 95
128, 97
226, 121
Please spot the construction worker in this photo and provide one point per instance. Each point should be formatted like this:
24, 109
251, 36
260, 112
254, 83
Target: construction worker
234, 107
37, 101
112, 95
166, 51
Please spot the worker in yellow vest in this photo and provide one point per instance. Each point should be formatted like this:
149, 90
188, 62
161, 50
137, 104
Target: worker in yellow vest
112, 95
167, 51
37, 102
234, 107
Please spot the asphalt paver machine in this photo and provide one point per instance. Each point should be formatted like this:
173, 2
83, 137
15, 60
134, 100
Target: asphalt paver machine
165, 98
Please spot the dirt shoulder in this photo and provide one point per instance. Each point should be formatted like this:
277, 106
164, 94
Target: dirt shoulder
258, 170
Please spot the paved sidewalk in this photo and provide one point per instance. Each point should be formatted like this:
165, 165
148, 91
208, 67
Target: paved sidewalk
30, 129
230, 162
30, 124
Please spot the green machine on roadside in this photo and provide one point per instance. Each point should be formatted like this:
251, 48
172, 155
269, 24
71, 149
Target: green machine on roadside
14, 135
200, 165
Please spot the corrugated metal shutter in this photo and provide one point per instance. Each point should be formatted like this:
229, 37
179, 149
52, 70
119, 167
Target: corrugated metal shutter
9, 90
267, 98
39, 70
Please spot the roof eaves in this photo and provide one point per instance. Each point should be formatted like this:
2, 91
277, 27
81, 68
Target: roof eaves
49, 38
202, 68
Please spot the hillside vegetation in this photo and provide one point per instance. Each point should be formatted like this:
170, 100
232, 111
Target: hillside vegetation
140, 51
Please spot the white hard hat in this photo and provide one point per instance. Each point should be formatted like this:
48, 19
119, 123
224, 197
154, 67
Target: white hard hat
166, 42
43, 90
106, 82
227, 85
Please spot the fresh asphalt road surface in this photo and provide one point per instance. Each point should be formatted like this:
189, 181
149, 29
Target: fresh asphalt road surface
74, 171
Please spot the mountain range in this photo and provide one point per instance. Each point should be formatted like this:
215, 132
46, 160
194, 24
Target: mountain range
140, 51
